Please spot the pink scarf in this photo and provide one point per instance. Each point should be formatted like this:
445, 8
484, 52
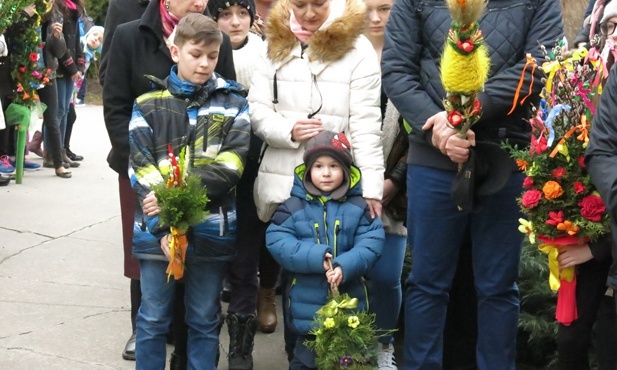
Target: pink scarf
301, 33
170, 21
70, 4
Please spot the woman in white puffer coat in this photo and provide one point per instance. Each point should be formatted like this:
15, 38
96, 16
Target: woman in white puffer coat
319, 73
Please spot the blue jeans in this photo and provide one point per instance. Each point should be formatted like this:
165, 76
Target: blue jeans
203, 282
65, 92
385, 282
436, 232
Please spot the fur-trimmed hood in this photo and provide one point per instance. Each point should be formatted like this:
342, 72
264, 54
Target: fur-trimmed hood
329, 44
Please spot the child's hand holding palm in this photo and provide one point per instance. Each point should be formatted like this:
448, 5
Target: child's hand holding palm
334, 275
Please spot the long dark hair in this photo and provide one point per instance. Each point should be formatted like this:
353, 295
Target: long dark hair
61, 4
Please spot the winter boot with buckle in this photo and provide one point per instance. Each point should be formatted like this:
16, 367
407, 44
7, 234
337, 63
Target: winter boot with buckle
241, 338
35, 144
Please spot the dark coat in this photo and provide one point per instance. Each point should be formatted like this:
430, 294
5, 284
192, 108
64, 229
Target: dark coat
73, 62
137, 50
304, 228
414, 42
6, 81
601, 158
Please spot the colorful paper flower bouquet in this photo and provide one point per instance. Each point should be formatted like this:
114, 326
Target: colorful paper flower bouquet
559, 200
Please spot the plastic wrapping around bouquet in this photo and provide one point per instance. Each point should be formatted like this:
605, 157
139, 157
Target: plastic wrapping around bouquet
487, 171
17, 114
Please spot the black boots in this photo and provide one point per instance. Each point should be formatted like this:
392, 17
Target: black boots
241, 335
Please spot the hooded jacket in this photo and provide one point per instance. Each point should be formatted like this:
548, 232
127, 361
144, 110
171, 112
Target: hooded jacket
416, 32
212, 120
336, 75
137, 51
305, 228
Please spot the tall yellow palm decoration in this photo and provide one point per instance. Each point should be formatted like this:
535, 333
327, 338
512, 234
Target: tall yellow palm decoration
464, 64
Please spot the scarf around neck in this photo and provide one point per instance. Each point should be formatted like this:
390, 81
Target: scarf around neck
301, 33
169, 20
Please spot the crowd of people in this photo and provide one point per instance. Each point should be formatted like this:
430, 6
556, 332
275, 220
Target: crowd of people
71, 41
319, 131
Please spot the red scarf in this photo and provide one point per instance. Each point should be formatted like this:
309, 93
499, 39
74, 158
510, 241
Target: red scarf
170, 21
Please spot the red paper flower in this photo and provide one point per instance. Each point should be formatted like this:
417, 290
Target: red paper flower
33, 57
477, 107
455, 118
559, 172
22, 69
579, 187
555, 218
592, 208
528, 182
466, 46
531, 198
538, 146
581, 161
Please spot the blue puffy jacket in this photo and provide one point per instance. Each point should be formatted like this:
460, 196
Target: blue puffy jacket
304, 228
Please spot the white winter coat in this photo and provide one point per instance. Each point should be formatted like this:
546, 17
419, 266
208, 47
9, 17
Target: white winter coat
338, 72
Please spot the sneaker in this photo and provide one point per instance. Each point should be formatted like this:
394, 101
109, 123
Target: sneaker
385, 357
80, 103
6, 168
28, 166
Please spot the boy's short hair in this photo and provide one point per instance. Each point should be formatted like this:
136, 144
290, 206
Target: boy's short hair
199, 29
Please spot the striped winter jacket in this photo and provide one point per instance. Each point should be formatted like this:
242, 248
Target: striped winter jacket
304, 228
213, 121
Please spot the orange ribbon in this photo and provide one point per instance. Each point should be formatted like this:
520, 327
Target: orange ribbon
177, 249
565, 137
532, 62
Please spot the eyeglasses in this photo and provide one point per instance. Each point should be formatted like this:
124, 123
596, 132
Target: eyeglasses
607, 28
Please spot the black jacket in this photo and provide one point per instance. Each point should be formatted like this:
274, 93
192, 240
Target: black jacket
601, 157
414, 43
73, 62
138, 50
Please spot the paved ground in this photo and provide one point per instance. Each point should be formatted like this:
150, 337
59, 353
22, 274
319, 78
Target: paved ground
64, 303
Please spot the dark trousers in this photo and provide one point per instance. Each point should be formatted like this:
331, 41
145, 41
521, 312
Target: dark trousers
593, 306
304, 358
51, 123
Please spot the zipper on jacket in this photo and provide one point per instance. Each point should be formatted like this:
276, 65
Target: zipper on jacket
293, 282
368, 307
325, 224
337, 229
316, 226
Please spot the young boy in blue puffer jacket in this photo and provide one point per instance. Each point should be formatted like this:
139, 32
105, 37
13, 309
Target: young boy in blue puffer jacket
325, 218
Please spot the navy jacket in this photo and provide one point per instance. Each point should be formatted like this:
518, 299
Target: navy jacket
415, 36
304, 228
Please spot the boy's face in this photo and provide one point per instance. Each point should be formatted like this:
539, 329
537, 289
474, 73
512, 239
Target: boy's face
196, 61
326, 174
235, 21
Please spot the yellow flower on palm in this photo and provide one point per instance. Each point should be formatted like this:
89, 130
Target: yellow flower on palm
353, 322
329, 323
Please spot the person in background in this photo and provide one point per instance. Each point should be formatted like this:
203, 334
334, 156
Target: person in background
236, 20
138, 49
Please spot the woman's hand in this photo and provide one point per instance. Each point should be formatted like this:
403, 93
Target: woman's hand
151, 206
165, 246
390, 189
56, 29
374, 207
76, 77
572, 255
305, 129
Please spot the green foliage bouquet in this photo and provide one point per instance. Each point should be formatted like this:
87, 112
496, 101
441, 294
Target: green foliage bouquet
182, 201
344, 337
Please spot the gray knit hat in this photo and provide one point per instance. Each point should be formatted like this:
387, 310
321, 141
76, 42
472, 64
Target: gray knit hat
334, 145
610, 11
215, 7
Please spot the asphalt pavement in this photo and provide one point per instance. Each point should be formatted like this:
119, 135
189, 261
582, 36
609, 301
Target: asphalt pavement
64, 302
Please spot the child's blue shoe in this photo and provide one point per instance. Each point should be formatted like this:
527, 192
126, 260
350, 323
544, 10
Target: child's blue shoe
28, 166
